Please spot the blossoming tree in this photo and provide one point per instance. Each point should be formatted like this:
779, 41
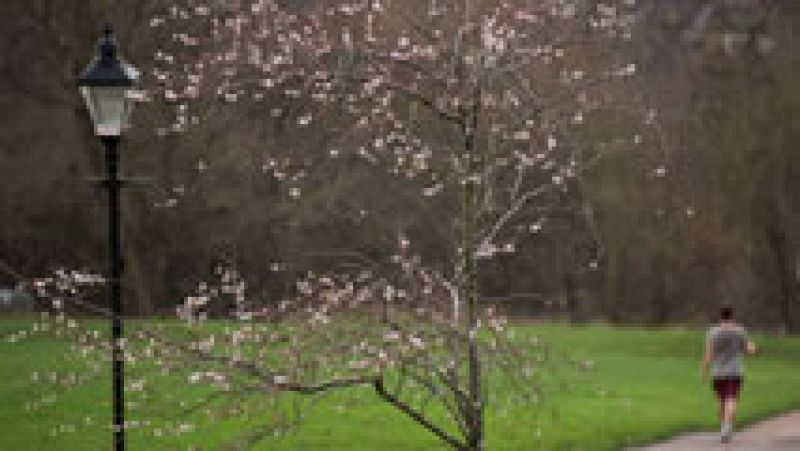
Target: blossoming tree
489, 110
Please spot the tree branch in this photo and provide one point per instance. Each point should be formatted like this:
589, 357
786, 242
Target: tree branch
416, 416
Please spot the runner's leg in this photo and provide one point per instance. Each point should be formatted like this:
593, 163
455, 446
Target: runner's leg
730, 410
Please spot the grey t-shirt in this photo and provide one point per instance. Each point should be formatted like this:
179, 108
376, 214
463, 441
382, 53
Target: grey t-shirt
728, 343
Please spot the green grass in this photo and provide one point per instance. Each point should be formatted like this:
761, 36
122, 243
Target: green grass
645, 385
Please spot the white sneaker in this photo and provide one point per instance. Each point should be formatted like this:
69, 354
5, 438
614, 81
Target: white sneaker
725, 433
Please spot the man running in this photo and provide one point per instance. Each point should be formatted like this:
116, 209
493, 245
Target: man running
726, 342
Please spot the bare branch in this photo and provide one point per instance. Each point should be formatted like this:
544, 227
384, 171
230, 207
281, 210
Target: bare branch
416, 416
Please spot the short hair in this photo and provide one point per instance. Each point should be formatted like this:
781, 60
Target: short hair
726, 312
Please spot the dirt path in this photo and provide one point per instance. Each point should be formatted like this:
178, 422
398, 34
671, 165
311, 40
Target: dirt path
778, 434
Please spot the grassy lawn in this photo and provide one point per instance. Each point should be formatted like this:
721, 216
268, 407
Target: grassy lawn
645, 385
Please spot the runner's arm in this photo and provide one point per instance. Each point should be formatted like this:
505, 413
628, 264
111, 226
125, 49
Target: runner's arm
750, 347
707, 358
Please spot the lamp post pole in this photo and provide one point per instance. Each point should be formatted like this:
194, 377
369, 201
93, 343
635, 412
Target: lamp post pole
105, 85
113, 184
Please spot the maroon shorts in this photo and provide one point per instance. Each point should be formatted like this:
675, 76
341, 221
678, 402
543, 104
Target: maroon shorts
727, 387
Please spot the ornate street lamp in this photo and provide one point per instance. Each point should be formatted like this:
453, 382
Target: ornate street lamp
105, 85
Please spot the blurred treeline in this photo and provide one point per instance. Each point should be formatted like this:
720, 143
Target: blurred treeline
705, 211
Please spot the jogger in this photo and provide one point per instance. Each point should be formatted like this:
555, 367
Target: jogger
726, 343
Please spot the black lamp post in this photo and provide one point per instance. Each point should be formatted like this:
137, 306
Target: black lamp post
105, 85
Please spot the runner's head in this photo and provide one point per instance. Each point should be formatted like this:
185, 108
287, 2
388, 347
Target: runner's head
726, 313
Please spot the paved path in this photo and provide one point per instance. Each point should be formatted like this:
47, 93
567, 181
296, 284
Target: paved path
778, 434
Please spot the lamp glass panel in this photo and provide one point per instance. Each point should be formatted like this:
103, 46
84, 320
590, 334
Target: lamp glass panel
108, 108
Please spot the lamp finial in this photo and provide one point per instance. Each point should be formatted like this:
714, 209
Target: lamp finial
107, 46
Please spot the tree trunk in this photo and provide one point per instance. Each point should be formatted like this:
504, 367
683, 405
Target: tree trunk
786, 276
574, 307
661, 307
470, 280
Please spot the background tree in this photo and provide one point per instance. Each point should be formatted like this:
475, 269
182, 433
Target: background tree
692, 57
